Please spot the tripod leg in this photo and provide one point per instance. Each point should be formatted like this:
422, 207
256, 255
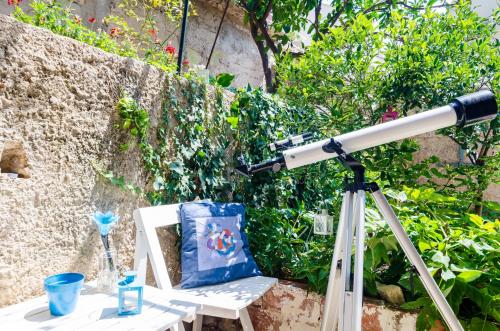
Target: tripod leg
359, 221
412, 254
345, 302
335, 288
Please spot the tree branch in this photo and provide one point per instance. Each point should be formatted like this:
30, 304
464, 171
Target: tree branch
422, 8
471, 159
268, 11
268, 75
269, 41
317, 12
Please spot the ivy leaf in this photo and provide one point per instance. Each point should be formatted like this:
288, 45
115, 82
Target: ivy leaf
233, 120
447, 274
469, 275
423, 246
123, 147
479, 324
176, 167
476, 219
439, 257
419, 303
127, 123
224, 79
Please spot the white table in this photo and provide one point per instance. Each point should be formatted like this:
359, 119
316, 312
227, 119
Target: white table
98, 311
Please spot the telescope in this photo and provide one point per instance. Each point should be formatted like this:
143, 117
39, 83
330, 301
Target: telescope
462, 111
343, 301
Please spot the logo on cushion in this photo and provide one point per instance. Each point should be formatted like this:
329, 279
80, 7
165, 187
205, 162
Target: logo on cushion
220, 240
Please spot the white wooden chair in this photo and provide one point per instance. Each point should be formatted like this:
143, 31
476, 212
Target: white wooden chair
228, 300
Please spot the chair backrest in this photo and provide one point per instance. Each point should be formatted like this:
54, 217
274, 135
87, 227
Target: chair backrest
147, 220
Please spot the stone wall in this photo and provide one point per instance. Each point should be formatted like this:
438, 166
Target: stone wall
289, 306
235, 51
57, 101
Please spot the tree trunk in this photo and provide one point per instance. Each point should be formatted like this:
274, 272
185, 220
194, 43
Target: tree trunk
264, 57
478, 208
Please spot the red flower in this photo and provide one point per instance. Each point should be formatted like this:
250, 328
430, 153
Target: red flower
91, 19
114, 32
14, 2
170, 49
185, 62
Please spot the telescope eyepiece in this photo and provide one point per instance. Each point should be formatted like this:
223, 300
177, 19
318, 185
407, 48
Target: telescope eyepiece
475, 107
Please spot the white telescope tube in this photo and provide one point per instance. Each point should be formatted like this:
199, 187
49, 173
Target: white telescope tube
373, 136
462, 111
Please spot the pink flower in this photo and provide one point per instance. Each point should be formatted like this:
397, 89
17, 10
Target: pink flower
170, 49
389, 115
91, 19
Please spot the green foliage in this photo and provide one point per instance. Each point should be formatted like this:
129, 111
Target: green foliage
59, 19
224, 79
460, 250
134, 120
412, 63
121, 38
459, 247
188, 157
284, 245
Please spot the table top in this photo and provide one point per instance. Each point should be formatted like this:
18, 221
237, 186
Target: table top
99, 311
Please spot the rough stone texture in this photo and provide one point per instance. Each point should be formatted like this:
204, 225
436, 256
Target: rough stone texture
392, 294
58, 100
235, 51
288, 306
13, 159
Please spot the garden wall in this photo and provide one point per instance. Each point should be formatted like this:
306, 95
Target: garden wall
57, 116
235, 51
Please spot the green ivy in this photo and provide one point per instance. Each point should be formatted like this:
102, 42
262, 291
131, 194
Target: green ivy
189, 157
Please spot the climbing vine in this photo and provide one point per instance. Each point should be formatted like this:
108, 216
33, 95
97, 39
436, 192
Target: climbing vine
188, 156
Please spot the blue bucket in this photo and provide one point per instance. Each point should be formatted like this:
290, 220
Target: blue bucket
63, 291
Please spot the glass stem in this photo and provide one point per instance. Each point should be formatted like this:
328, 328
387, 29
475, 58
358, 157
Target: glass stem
105, 242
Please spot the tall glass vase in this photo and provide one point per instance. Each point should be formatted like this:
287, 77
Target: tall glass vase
108, 272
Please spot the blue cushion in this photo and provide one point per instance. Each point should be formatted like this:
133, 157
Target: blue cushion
214, 244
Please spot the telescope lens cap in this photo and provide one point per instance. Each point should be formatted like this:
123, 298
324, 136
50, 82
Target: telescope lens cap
475, 107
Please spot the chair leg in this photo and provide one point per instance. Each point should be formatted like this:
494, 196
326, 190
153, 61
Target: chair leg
177, 327
198, 322
245, 320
